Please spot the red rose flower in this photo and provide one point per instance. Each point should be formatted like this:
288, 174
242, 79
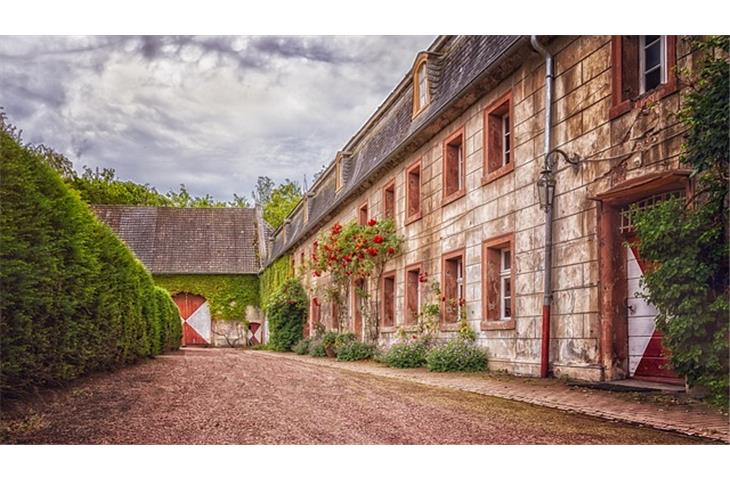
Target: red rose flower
423, 277
372, 222
372, 251
336, 228
347, 258
391, 250
378, 239
443, 298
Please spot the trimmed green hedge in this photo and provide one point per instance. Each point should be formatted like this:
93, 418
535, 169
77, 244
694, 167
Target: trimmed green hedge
227, 295
73, 298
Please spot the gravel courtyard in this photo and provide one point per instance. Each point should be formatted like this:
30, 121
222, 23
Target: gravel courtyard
220, 396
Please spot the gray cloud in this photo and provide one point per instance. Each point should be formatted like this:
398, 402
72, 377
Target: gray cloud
210, 112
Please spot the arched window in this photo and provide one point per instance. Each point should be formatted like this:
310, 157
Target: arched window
421, 97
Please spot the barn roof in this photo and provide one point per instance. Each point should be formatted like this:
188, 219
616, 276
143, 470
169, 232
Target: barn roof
187, 240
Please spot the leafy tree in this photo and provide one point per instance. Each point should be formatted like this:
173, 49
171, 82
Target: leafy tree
102, 187
686, 240
262, 193
280, 202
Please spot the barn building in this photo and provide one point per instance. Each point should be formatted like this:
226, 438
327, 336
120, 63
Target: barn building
510, 165
209, 260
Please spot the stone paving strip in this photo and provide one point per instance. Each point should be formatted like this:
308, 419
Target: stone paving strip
699, 422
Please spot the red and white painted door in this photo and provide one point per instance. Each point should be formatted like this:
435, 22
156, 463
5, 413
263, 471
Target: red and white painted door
195, 317
255, 333
647, 355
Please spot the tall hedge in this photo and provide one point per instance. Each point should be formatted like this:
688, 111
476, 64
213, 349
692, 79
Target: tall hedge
73, 298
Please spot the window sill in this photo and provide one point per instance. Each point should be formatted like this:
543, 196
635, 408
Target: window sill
410, 328
413, 218
453, 197
498, 173
388, 329
652, 96
449, 327
497, 325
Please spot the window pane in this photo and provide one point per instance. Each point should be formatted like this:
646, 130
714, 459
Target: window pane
653, 55
648, 39
506, 260
653, 79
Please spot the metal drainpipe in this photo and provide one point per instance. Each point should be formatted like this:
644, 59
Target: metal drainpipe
547, 283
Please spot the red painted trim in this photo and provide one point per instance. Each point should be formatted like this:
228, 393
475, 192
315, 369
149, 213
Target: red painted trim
413, 166
446, 199
409, 268
545, 343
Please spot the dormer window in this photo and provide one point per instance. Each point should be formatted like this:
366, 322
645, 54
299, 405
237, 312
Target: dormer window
421, 97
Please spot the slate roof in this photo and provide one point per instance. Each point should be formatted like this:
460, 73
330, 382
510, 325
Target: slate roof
187, 240
460, 69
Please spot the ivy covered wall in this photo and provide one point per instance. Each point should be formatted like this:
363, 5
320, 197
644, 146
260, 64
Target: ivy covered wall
273, 276
227, 295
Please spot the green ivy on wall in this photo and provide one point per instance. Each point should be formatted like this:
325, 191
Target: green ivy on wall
227, 295
273, 276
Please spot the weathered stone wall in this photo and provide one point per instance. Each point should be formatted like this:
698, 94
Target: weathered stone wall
638, 142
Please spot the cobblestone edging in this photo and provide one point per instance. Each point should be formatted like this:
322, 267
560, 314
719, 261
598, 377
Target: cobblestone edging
598, 404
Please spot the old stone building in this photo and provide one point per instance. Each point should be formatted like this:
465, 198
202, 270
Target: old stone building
457, 153
207, 258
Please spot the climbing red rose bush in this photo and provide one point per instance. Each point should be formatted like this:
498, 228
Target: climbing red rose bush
345, 253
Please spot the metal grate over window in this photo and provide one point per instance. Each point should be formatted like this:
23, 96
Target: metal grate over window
627, 212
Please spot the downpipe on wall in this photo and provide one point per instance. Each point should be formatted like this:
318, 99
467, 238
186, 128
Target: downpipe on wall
548, 187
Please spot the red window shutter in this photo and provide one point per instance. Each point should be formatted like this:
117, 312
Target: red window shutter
450, 290
629, 67
452, 167
492, 283
414, 192
412, 296
494, 143
388, 301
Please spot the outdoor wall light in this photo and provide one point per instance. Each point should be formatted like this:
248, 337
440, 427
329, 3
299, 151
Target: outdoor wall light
546, 189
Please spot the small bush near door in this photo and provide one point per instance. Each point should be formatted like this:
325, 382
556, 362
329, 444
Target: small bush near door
287, 312
458, 355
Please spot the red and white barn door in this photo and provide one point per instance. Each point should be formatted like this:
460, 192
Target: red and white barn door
647, 355
195, 316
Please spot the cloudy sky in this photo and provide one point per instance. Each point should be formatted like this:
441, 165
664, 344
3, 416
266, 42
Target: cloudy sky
210, 112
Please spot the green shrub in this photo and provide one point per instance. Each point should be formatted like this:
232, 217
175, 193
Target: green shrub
263, 346
316, 348
73, 298
344, 339
302, 346
354, 350
287, 312
329, 339
457, 355
406, 355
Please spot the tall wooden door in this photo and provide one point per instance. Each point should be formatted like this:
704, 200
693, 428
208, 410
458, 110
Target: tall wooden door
647, 354
195, 317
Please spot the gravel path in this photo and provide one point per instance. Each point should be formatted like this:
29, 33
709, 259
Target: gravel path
218, 396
